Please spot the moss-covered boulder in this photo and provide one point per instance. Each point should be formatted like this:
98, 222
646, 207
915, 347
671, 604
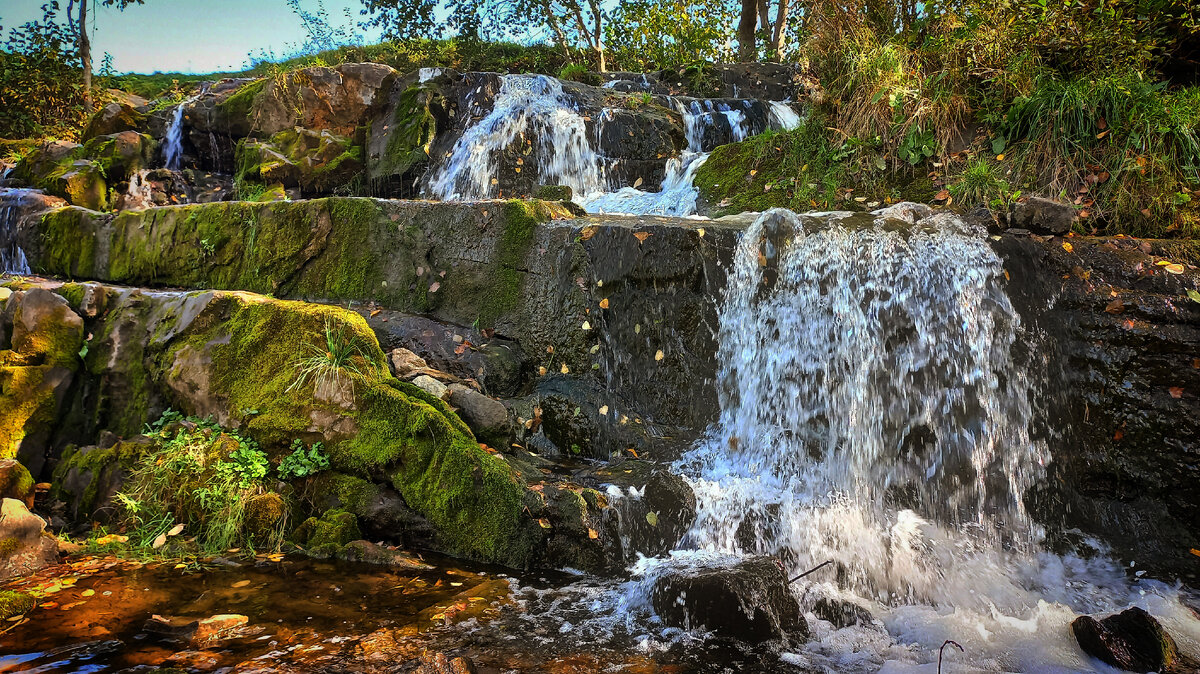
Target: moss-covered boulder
263, 515
40, 341
400, 137
315, 161
114, 117
87, 479
25, 546
14, 603
16, 482
328, 534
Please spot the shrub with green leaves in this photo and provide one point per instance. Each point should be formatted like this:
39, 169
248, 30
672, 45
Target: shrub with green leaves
303, 462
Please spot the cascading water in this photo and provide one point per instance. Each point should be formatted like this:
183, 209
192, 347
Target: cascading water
677, 196
530, 108
784, 116
12, 206
173, 141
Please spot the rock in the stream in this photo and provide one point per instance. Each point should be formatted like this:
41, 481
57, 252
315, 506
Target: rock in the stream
1131, 640
432, 386
404, 362
25, 546
200, 632
370, 553
1043, 216
841, 613
440, 663
654, 508
487, 417
750, 601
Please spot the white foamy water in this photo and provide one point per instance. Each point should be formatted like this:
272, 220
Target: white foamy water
173, 141
784, 116
532, 116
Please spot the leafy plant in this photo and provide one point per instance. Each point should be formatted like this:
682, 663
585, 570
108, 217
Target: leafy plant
303, 462
917, 146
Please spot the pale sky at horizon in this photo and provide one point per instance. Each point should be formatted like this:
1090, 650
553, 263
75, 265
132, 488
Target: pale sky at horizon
189, 36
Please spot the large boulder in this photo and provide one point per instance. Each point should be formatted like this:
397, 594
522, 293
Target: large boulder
1042, 216
1131, 640
317, 162
16, 482
40, 341
25, 546
749, 601
115, 117
82, 174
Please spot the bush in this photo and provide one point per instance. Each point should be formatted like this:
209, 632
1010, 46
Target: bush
303, 462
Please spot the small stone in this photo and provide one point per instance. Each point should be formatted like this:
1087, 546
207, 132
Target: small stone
405, 362
485, 416
432, 386
218, 627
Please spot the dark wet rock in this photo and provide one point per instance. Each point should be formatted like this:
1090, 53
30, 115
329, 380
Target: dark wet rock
87, 479
1043, 216
1116, 390
197, 631
653, 507
749, 601
1131, 640
25, 546
16, 482
841, 613
494, 362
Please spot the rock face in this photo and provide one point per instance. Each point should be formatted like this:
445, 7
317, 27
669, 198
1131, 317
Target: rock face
750, 601
1131, 640
1114, 339
1043, 216
25, 547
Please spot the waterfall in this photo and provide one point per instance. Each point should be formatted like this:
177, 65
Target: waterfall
12, 206
870, 409
677, 196
784, 116
173, 141
529, 109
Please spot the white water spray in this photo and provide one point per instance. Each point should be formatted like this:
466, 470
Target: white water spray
12, 206
783, 116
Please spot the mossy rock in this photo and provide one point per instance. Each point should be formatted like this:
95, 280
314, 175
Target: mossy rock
326, 535
82, 174
15, 603
317, 162
553, 192
399, 142
87, 478
16, 482
263, 515
114, 117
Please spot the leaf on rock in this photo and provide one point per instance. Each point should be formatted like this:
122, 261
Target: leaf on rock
604, 303
544, 522
1176, 392
642, 236
1068, 247
652, 518
1115, 307
588, 232
1174, 268
659, 355
593, 534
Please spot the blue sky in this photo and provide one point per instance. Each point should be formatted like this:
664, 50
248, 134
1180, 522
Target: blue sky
198, 36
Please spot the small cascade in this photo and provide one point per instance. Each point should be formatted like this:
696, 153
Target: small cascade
783, 116
677, 197
12, 207
139, 194
173, 141
426, 74
529, 109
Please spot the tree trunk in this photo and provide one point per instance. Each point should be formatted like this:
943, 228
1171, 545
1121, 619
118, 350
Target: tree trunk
745, 32
85, 54
781, 19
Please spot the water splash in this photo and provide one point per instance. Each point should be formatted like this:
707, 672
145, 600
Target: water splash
173, 141
529, 110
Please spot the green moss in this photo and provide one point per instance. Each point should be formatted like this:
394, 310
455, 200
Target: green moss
69, 237
15, 603
263, 515
329, 533
240, 104
351, 492
412, 129
502, 293
9, 547
15, 482
553, 192
100, 464
116, 157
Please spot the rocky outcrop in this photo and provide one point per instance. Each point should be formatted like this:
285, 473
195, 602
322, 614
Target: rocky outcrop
83, 174
1112, 346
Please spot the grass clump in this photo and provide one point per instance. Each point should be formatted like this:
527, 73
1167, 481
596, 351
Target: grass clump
328, 364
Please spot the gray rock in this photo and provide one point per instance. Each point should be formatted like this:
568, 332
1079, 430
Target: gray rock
488, 418
432, 386
1042, 216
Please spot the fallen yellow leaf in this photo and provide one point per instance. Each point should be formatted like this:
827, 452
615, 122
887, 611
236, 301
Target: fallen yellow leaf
604, 303
1068, 247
